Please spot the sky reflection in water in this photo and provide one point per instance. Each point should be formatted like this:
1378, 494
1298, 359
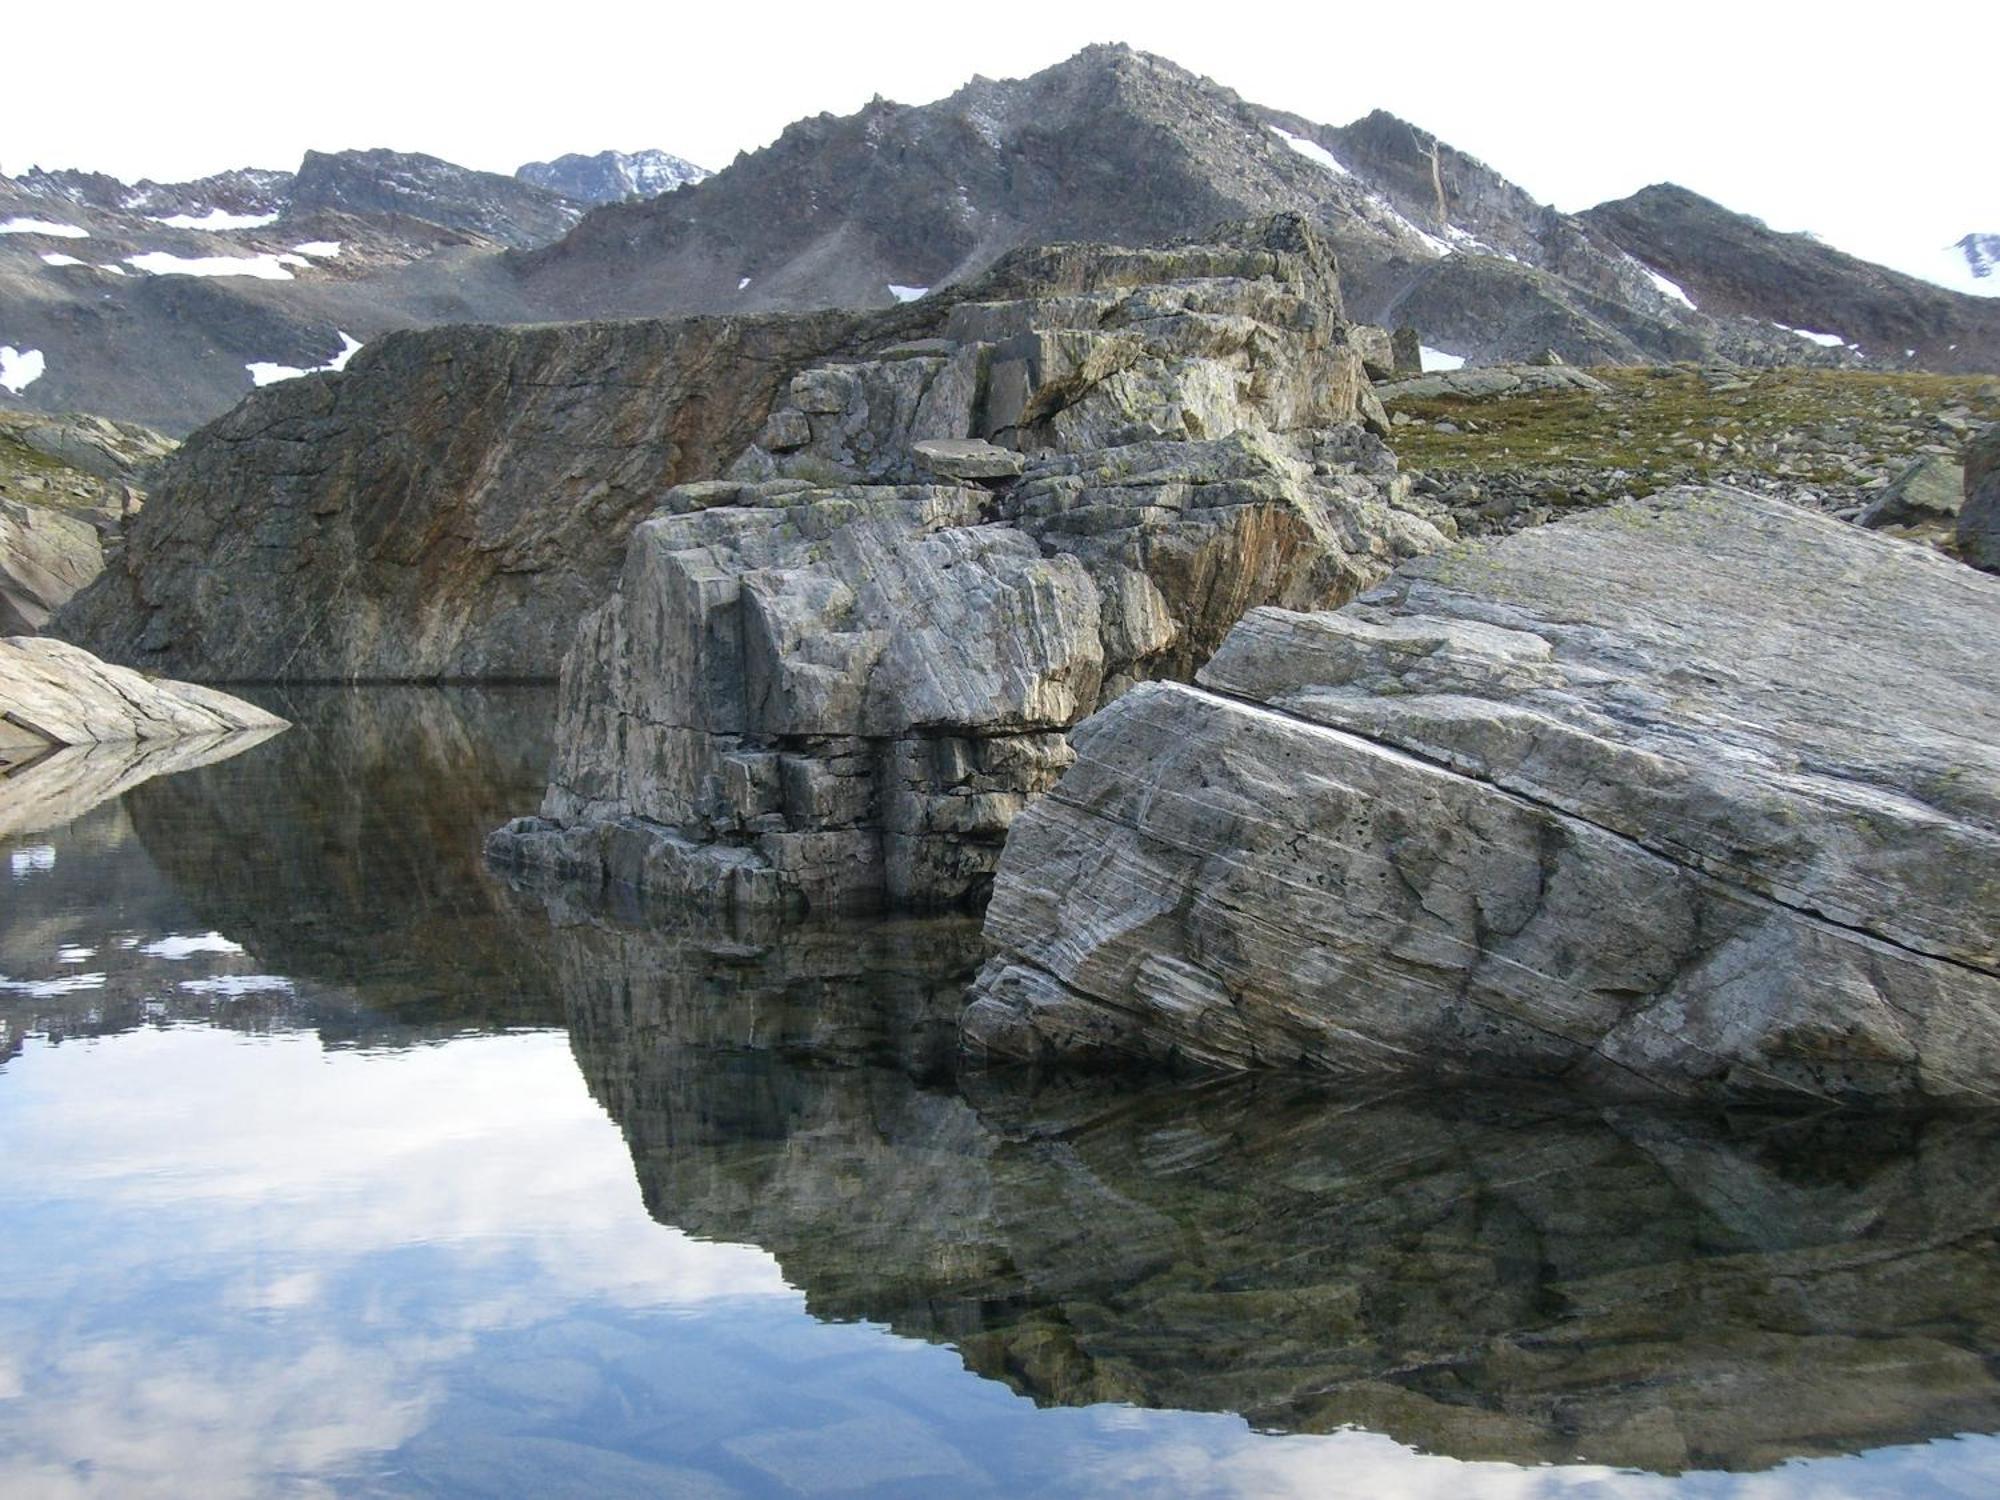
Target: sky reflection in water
371, 1227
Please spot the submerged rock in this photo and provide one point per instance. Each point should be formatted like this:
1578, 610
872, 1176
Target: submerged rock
835, 677
1698, 795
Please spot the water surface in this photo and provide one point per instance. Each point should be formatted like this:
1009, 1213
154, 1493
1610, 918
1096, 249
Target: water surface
334, 1165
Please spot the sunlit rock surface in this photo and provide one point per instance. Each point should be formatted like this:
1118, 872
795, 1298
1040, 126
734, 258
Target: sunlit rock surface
832, 680
1698, 795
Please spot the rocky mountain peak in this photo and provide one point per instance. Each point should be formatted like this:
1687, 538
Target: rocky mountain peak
612, 176
503, 209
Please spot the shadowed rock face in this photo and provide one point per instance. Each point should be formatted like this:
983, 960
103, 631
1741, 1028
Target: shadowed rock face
1693, 796
444, 510
1506, 1280
832, 679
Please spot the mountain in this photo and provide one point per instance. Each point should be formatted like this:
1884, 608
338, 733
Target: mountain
162, 303
1730, 263
611, 176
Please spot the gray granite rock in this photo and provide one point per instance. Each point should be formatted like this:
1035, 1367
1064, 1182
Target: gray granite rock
1922, 501
1698, 795
833, 678
53, 694
45, 557
1979, 515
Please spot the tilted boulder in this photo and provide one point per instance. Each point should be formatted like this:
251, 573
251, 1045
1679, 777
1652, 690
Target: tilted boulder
1697, 795
835, 677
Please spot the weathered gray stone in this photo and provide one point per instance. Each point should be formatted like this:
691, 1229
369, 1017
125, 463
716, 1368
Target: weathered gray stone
1696, 795
1377, 348
967, 458
45, 557
1407, 351
1923, 499
837, 685
53, 694
1491, 381
1979, 515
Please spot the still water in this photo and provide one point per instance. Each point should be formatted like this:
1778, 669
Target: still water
332, 1165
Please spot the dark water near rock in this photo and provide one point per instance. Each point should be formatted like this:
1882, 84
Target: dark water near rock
332, 1165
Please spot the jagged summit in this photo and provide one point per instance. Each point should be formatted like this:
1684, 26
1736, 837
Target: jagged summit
612, 176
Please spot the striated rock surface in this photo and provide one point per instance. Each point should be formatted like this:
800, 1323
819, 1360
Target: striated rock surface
53, 693
1979, 514
1697, 795
45, 557
835, 677
444, 509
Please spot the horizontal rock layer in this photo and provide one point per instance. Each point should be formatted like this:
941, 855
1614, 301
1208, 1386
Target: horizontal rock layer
1695, 795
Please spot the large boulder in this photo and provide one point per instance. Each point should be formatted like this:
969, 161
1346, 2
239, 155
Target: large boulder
834, 678
56, 694
1979, 514
444, 509
1922, 502
1697, 795
45, 557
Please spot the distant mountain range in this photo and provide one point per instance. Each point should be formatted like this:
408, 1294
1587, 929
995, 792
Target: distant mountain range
162, 303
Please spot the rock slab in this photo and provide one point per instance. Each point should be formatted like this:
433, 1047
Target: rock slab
1698, 795
1979, 514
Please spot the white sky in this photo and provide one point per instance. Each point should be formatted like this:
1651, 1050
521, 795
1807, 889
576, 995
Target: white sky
1874, 129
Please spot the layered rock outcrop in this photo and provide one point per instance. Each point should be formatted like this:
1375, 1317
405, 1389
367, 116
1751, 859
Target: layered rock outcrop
445, 509
835, 677
1979, 514
1694, 795
45, 557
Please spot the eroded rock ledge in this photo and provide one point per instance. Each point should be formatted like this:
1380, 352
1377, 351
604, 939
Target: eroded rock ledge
1699, 794
832, 679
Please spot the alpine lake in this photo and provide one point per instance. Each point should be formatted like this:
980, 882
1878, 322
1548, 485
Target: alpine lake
335, 1164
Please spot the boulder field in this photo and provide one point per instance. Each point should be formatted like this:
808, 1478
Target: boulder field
1695, 795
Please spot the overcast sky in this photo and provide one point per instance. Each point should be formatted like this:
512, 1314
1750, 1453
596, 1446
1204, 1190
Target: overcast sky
1874, 127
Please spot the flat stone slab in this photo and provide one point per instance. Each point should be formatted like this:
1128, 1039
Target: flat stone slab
1697, 795
968, 458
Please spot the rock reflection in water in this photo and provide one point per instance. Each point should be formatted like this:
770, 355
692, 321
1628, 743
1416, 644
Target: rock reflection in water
1480, 1278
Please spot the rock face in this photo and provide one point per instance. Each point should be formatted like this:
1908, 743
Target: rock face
1695, 795
45, 557
1921, 502
444, 509
837, 676
53, 694
1979, 515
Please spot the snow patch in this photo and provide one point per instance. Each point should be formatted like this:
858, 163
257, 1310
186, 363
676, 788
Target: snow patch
233, 985
1437, 359
1824, 340
1668, 289
44, 226
72, 953
1312, 151
49, 989
318, 249
215, 218
907, 293
53, 258
20, 368
263, 267
179, 945
743, 283
263, 372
